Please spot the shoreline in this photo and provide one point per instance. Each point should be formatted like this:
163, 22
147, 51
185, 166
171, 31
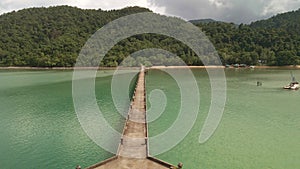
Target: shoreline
224, 67
153, 67
66, 68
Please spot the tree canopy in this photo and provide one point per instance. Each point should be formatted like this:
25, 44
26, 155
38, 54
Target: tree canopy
54, 36
274, 41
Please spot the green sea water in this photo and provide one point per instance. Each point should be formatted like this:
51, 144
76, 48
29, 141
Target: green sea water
38, 124
260, 127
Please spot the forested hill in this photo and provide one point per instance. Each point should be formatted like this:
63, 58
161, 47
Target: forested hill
51, 36
199, 21
54, 36
275, 41
289, 21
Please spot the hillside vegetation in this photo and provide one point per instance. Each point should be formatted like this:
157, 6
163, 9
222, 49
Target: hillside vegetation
275, 41
53, 37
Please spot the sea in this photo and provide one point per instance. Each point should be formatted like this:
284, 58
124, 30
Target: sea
260, 126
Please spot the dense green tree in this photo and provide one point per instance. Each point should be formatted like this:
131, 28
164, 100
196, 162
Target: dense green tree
54, 36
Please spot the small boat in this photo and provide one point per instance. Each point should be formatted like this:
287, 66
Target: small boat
294, 85
236, 65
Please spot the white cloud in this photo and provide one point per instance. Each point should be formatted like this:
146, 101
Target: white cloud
238, 11
218, 3
279, 6
110, 4
9, 5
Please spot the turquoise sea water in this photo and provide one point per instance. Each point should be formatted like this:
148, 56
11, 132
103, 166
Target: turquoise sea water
260, 127
38, 125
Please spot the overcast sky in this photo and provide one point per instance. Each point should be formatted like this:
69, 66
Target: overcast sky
237, 11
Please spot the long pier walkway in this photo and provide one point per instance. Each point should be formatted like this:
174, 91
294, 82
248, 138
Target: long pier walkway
133, 152
135, 136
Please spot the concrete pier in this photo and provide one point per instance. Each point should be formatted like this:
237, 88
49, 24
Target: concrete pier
134, 140
133, 152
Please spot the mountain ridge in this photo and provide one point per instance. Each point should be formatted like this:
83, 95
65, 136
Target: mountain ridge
53, 37
207, 20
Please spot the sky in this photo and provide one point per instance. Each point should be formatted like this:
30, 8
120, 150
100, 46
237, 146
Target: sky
237, 11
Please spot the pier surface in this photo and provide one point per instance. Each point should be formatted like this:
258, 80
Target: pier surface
133, 149
134, 139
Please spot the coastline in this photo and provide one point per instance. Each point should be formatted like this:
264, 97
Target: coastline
66, 68
223, 67
153, 67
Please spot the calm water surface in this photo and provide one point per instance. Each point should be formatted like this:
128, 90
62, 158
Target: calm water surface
260, 126
38, 125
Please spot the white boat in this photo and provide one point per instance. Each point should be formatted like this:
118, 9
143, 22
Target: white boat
294, 85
